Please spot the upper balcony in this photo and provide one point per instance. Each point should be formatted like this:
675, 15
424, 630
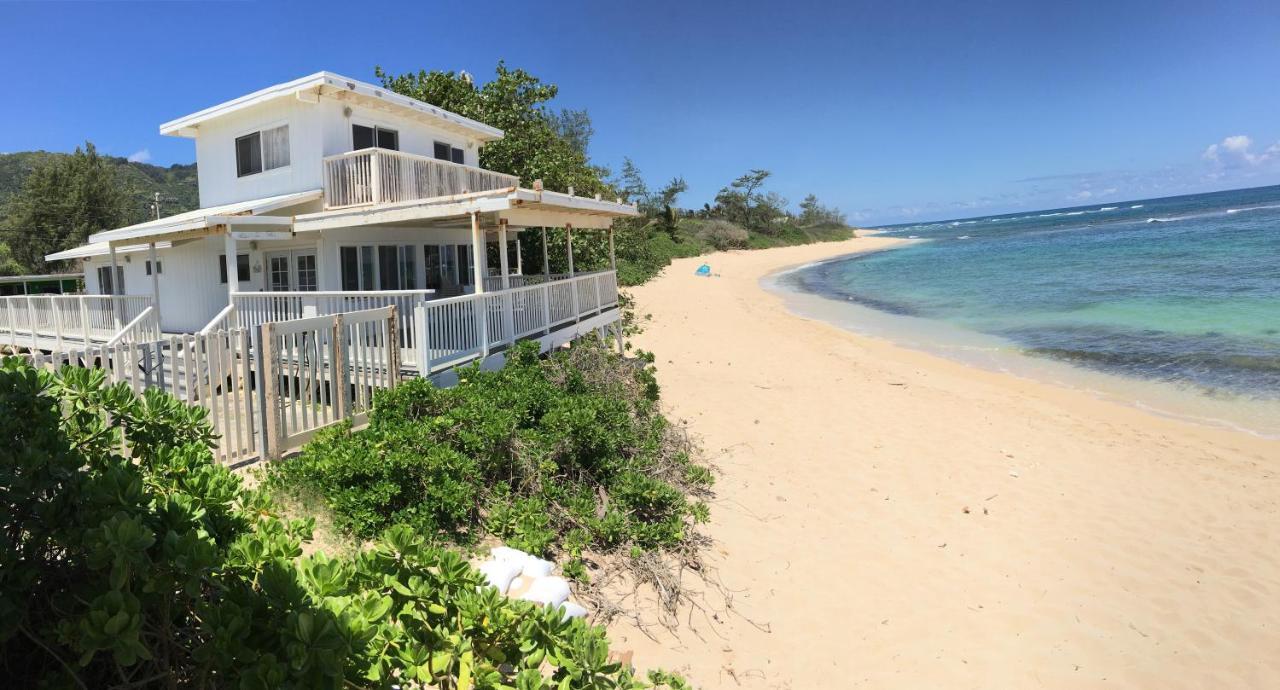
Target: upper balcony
381, 176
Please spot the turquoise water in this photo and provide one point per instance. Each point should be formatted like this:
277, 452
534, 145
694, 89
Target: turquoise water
1182, 290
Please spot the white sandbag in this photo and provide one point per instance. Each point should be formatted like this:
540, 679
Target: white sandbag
536, 567
572, 610
548, 591
506, 553
499, 573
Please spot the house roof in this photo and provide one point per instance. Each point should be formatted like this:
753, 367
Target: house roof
330, 84
518, 206
204, 217
37, 278
170, 226
85, 251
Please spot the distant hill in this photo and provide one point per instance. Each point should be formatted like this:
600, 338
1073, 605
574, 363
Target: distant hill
176, 183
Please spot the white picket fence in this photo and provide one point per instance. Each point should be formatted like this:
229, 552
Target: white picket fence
324, 369
213, 371
58, 321
269, 385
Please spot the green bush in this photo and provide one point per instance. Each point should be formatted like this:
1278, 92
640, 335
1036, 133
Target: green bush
534, 452
160, 569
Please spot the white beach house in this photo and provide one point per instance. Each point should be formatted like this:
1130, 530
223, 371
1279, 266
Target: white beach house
346, 239
328, 185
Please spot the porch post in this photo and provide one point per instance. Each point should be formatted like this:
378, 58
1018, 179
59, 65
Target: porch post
155, 278
482, 303
478, 252
115, 288
613, 258
508, 300
503, 261
568, 240
233, 276
519, 256
546, 261
573, 287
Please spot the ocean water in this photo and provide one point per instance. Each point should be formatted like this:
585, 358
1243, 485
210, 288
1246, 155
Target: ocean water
1182, 291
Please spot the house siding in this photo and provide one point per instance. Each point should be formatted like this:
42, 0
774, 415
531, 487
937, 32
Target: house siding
316, 130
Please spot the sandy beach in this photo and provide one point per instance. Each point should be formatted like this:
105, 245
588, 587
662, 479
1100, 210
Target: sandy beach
887, 518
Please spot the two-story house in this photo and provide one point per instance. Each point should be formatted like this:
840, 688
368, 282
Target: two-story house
331, 186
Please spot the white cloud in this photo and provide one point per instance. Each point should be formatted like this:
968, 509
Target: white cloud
142, 156
1237, 151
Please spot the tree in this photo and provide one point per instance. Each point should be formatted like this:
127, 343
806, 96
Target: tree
743, 203
660, 206
61, 203
814, 214
538, 143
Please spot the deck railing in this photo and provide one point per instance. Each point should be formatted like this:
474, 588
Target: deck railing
382, 176
53, 321
454, 324
460, 329
492, 283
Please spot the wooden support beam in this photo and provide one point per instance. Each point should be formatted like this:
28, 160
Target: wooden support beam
233, 277
155, 278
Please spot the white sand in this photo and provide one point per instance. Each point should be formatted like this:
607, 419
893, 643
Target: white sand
1102, 547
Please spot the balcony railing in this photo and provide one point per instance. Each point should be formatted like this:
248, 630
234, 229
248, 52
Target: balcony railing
49, 322
457, 329
382, 176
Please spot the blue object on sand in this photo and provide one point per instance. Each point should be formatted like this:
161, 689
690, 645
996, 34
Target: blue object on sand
703, 270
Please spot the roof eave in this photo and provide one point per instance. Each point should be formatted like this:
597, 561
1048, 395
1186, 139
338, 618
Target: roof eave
188, 125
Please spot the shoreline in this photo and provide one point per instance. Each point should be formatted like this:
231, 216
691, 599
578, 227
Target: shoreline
998, 355
888, 517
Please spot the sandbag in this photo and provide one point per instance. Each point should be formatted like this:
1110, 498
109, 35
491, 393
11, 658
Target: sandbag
536, 567
548, 591
499, 573
506, 553
572, 610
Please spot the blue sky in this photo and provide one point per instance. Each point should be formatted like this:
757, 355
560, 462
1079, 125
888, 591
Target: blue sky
893, 111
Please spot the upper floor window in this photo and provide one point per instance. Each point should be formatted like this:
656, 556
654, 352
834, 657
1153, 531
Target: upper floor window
265, 150
368, 137
445, 152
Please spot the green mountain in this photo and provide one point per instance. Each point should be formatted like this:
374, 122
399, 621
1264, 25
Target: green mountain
176, 183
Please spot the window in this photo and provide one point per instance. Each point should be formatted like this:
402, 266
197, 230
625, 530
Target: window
445, 152
349, 264
107, 286
363, 137
380, 267
431, 262
265, 150
159, 267
466, 265
388, 269
307, 279
242, 268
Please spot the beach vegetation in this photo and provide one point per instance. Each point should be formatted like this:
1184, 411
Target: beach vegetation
157, 567
556, 456
723, 234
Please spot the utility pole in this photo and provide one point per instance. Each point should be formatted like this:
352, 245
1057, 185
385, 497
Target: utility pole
156, 206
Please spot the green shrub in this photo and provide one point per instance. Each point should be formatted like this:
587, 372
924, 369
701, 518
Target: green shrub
160, 569
722, 234
574, 444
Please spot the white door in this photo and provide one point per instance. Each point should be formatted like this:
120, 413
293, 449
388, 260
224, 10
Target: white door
293, 271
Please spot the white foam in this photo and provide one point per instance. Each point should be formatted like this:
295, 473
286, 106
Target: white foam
1136, 206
